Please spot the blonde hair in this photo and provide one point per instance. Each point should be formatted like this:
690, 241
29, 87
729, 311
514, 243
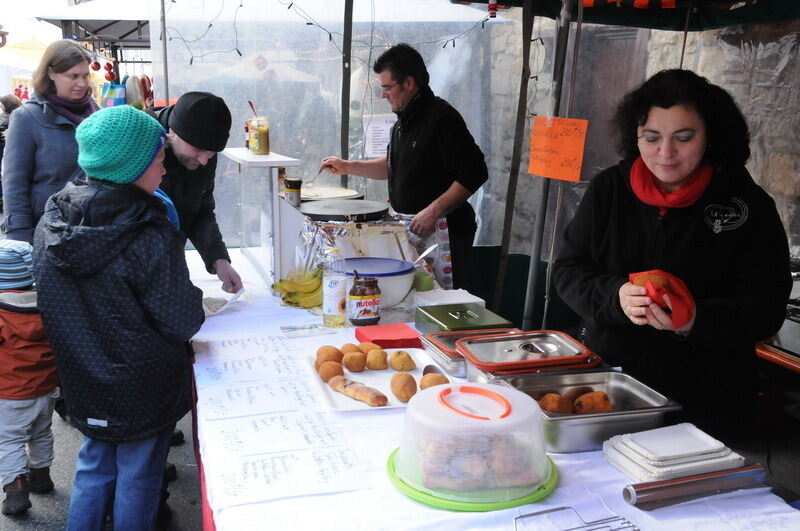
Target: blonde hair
60, 56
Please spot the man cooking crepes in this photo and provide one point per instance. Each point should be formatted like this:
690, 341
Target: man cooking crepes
433, 164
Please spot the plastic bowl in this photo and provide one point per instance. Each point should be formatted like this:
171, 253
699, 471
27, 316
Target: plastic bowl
395, 277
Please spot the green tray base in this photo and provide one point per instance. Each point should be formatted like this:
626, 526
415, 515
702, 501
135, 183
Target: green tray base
454, 505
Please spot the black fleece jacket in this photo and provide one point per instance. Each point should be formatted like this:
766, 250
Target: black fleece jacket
430, 149
731, 251
192, 192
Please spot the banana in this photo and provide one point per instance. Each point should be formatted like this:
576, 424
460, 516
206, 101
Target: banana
309, 300
307, 282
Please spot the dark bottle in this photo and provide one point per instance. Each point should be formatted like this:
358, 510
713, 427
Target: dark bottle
364, 301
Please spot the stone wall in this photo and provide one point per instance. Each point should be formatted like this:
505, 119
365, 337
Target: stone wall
758, 64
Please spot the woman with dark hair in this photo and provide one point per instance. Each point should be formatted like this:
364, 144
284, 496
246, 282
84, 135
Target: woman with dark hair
680, 202
41, 153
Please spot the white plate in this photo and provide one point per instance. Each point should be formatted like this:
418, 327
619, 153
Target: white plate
672, 442
380, 380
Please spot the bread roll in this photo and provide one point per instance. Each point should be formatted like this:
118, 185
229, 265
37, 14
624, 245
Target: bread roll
402, 361
330, 351
403, 386
433, 378
349, 347
555, 403
329, 369
367, 346
376, 359
358, 391
355, 361
594, 402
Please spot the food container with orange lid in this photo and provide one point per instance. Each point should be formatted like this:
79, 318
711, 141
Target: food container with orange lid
490, 357
634, 406
442, 347
472, 447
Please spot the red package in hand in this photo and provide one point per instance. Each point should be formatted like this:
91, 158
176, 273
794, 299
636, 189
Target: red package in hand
659, 283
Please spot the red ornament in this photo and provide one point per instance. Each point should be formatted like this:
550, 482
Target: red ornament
111, 76
108, 66
95, 65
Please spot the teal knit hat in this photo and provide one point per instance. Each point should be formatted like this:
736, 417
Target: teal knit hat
118, 144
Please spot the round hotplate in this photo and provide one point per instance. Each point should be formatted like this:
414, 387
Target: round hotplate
344, 210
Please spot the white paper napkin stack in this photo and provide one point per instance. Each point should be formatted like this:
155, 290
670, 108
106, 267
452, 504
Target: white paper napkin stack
669, 452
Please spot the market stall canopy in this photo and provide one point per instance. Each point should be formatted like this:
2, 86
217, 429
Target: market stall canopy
22, 55
105, 22
671, 14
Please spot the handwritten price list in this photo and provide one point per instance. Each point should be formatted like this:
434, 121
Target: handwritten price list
557, 147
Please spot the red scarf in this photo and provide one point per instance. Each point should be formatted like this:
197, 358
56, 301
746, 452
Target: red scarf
646, 188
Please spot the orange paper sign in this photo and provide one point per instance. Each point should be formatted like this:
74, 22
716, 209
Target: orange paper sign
557, 147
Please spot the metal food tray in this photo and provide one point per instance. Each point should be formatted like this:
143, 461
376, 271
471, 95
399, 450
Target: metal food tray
528, 347
637, 407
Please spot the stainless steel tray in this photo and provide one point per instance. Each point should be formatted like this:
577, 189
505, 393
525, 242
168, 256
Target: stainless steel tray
637, 407
527, 346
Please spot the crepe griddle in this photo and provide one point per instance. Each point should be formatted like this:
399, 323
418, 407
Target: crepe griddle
344, 210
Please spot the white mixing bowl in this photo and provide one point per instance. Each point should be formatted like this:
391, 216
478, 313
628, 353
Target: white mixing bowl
395, 277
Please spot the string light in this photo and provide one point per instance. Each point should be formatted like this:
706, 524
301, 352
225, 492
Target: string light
192, 56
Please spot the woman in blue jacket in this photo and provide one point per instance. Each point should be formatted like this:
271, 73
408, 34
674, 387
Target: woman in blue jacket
41, 154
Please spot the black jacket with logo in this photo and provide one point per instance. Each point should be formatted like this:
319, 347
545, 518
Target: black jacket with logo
431, 148
192, 192
731, 251
118, 307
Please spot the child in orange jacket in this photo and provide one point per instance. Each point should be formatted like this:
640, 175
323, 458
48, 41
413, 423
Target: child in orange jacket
28, 383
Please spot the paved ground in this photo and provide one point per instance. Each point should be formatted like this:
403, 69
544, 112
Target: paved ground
49, 510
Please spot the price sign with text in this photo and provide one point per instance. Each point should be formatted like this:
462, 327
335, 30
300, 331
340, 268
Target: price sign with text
557, 147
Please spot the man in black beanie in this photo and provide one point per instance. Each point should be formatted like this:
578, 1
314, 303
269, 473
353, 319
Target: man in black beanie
197, 129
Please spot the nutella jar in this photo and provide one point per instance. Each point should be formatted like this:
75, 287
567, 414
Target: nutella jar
364, 302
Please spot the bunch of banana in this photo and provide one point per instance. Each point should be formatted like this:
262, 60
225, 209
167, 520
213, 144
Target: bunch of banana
301, 288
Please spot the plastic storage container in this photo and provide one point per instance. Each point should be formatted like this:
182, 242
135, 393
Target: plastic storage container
473, 444
490, 357
442, 347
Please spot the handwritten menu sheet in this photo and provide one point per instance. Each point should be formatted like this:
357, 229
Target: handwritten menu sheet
557, 147
283, 475
265, 432
275, 432
244, 367
225, 401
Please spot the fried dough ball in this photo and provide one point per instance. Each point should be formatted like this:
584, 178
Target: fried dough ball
355, 361
329, 369
657, 280
593, 402
402, 361
573, 394
403, 386
349, 347
555, 403
367, 346
329, 350
431, 379
327, 356
376, 359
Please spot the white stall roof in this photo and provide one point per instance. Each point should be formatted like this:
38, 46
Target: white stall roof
107, 21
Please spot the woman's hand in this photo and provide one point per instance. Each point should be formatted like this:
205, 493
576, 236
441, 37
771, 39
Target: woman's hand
641, 309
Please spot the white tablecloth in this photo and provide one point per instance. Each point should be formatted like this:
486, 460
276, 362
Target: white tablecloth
587, 482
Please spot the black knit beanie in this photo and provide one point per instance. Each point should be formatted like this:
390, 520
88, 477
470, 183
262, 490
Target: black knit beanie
201, 119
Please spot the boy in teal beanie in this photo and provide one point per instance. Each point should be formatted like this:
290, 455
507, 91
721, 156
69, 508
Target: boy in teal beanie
118, 306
